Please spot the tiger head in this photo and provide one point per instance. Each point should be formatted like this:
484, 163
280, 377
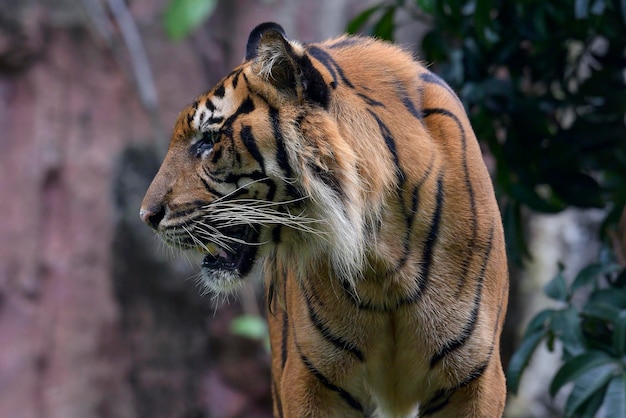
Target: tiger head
261, 168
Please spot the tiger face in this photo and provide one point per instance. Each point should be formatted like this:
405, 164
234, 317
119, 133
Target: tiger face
257, 167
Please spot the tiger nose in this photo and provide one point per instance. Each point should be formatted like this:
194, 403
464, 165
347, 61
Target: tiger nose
152, 216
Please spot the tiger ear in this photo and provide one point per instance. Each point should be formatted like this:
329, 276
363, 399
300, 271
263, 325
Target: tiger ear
274, 58
255, 37
285, 65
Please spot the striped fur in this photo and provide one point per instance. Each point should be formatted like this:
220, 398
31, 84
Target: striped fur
348, 175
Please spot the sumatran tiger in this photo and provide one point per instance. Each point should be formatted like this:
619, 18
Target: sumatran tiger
347, 175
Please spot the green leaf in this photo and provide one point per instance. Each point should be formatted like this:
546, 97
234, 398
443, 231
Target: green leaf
612, 296
566, 327
615, 398
557, 288
361, 19
249, 326
588, 274
619, 334
578, 366
183, 16
600, 310
540, 322
590, 407
587, 385
520, 359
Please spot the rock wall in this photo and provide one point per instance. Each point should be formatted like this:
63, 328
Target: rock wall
96, 318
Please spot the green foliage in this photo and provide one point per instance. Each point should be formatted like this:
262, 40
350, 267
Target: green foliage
592, 337
251, 326
544, 86
183, 16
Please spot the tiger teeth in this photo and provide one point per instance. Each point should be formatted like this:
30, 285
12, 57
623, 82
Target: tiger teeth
210, 248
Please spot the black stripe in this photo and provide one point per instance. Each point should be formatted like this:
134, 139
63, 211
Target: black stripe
410, 217
470, 325
370, 101
345, 395
191, 208
281, 151
214, 120
250, 143
216, 155
429, 77
284, 352
476, 372
315, 88
410, 214
192, 113
256, 175
277, 401
246, 107
337, 341
276, 234
429, 245
391, 145
271, 192
427, 255
210, 189
219, 91
330, 64
425, 264
235, 80
360, 303
442, 397
437, 402
407, 102
270, 299
470, 191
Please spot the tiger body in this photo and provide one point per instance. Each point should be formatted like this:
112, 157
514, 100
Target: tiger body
349, 176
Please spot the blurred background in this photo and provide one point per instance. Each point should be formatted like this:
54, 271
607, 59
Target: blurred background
98, 319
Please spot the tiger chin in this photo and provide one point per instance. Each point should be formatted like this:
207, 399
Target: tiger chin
348, 176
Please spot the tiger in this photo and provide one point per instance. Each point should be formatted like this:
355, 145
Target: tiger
346, 176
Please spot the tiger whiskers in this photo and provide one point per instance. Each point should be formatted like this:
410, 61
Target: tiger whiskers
241, 212
225, 212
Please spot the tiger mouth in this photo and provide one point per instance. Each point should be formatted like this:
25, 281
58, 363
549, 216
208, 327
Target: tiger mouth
238, 255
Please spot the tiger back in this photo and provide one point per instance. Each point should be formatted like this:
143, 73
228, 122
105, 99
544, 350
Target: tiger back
348, 176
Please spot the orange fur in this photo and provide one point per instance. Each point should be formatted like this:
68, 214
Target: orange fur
384, 259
